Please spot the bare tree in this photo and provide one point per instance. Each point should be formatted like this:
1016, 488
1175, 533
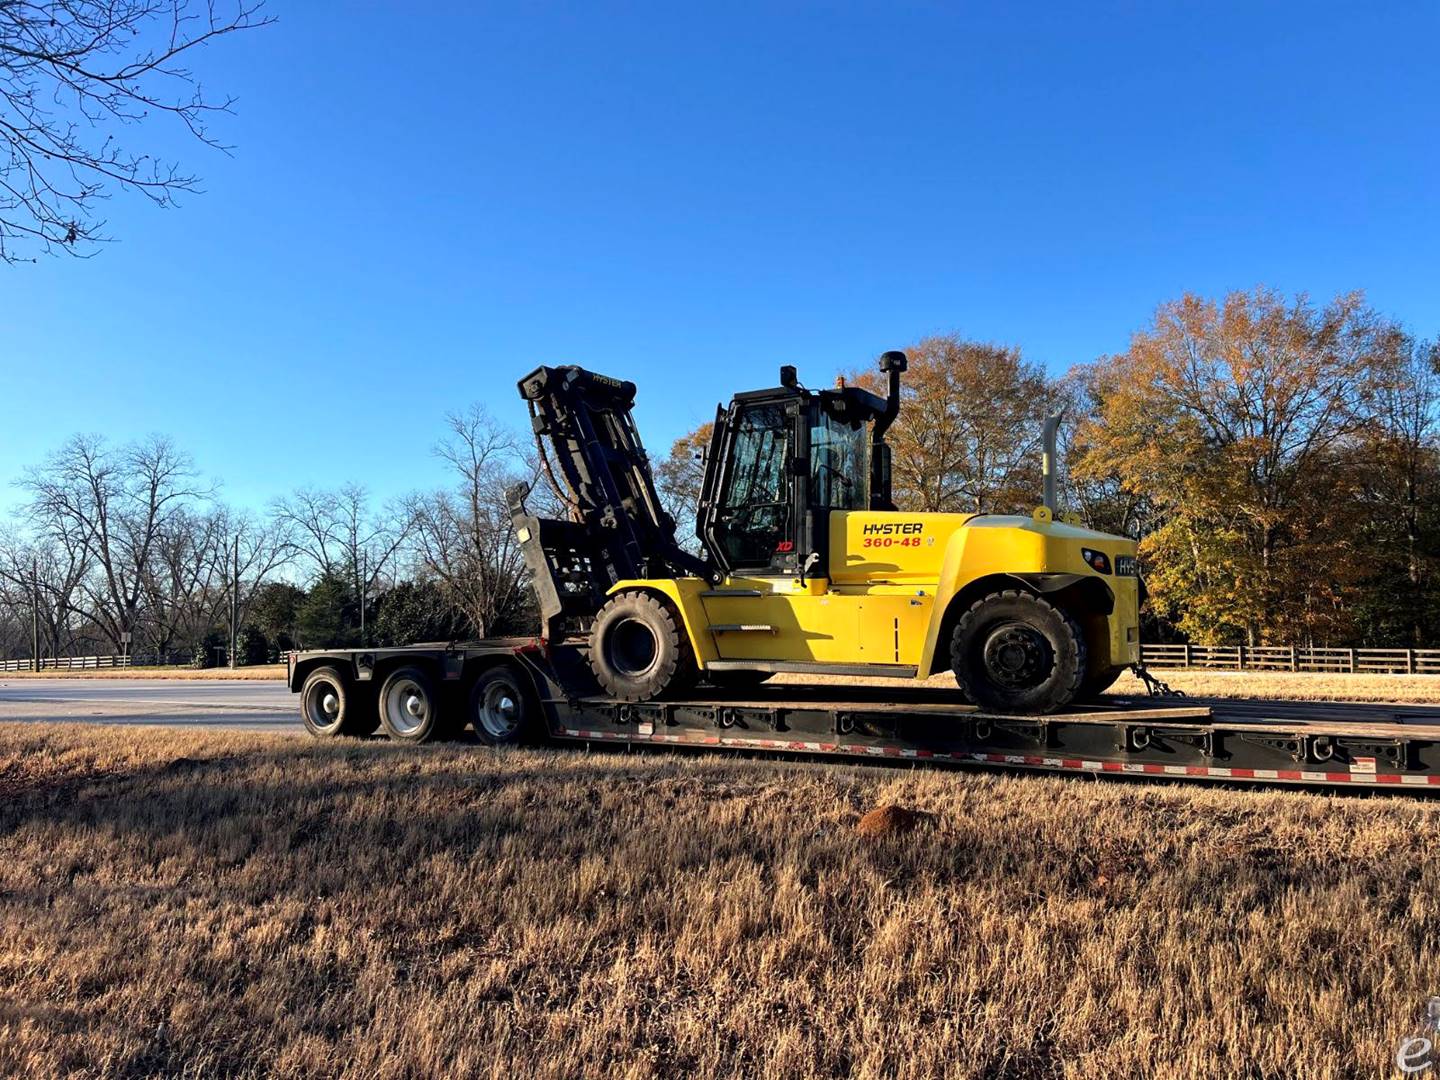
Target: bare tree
114, 506
339, 535
74, 74
49, 571
464, 537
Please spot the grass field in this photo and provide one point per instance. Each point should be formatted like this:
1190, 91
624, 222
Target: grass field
207, 904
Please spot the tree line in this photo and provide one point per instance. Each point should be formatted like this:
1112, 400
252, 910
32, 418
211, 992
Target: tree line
1277, 459
127, 548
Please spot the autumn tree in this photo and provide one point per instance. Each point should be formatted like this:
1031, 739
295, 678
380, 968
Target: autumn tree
968, 436
1235, 420
678, 479
1398, 462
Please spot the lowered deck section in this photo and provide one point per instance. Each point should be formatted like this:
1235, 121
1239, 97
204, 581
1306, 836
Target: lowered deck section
1329, 744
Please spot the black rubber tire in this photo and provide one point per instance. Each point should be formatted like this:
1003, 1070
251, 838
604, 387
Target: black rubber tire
1055, 650
1098, 681
501, 710
418, 723
638, 648
737, 680
321, 721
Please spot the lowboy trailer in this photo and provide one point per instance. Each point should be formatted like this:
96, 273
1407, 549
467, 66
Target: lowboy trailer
805, 568
516, 691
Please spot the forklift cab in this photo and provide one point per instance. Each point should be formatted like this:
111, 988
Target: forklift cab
781, 460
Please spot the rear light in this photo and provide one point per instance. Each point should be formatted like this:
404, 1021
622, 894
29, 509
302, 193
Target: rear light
1096, 560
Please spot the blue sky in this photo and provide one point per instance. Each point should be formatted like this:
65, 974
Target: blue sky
419, 210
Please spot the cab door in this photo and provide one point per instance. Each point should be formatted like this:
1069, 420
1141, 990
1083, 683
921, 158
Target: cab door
756, 527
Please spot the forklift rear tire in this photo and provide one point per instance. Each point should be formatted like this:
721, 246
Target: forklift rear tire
638, 648
1014, 652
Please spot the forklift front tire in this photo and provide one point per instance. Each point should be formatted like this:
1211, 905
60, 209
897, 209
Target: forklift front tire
1014, 652
638, 648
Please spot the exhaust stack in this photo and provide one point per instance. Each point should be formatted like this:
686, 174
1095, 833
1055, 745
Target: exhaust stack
892, 364
1049, 463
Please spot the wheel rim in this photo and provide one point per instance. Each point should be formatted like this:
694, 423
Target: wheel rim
633, 648
407, 707
499, 712
322, 705
1017, 656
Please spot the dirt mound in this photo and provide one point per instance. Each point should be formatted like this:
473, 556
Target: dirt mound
893, 821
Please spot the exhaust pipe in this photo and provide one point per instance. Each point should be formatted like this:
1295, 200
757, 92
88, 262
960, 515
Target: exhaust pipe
892, 364
1049, 463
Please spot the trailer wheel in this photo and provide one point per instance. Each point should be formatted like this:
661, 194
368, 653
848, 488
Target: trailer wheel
325, 704
638, 649
409, 707
1016, 652
500, 709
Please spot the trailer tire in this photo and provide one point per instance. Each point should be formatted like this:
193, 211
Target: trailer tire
409, 708
1014, 651
326, 705
502, 712
638, 648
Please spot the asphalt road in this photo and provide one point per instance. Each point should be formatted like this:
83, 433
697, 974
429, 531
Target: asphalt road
264, 706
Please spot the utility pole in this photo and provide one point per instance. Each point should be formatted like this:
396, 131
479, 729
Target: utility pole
235, 605
35, 614
364, 588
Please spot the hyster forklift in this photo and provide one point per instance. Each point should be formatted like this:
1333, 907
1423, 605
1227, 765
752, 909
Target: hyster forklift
805, 563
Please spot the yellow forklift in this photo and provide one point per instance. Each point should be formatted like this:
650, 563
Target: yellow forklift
805, 565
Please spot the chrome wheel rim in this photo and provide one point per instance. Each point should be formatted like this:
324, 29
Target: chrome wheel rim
407, 706
322, 705
499, 713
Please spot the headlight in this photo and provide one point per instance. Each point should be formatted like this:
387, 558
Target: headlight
1096, 560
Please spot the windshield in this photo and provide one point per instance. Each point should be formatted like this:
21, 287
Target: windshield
839, 463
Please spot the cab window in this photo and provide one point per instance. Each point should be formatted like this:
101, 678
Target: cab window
839, 464
753, 525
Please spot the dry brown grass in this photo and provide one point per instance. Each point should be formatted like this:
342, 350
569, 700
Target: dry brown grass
258, 673
1295, 686
203, 904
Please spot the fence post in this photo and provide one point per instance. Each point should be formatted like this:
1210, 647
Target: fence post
1240, 663
1187, 654
1292, 657
1409, 661
1352, 661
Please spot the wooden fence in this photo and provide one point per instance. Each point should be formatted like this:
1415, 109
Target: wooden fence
67, 663
1215, 657
1293, 658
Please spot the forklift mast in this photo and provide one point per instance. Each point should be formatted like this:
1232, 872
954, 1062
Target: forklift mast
616, 528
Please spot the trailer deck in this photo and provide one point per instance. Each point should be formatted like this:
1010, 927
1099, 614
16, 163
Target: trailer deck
1327, 744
